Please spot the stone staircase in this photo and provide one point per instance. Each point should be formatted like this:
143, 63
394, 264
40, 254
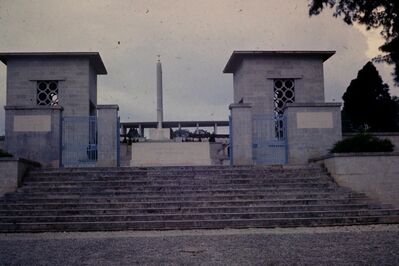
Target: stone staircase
97, 199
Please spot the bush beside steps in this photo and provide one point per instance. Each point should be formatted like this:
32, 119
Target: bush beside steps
363, 142
4, 154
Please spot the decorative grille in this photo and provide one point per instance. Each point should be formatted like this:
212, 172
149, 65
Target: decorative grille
47, 92
284, 92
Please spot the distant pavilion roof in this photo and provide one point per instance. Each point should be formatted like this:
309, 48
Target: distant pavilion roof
94, 57
237, 56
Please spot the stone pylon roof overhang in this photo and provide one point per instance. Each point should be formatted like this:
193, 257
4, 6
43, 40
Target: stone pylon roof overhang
237, 56
94, 57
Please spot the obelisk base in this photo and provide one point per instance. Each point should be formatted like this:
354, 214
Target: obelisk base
159, 134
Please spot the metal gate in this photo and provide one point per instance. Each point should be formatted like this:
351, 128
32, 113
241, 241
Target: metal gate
79, 141
230, 147
269, 140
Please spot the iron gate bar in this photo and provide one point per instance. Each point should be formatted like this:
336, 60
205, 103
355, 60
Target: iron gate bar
79, 141
269, 143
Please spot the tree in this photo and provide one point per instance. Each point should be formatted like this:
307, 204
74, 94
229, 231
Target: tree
377, 14
368, 104
396, 100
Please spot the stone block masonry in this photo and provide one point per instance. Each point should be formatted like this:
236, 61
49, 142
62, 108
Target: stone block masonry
269, 81
43, 89
376, 174
312, 130
34, 133
108, 135
12, 171
171, 154
241, 146
72, 75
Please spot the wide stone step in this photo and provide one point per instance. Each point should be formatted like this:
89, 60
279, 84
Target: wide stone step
237, 178
54, 198
191, 210
147, 181
197, 217
117, 185
196, 169
155, 204
195, 224
184, 175
72, 189
212, 191
160, 198
174, 175
177, 173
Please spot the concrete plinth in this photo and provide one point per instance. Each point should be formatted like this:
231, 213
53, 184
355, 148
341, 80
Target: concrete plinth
172, 154
159, 134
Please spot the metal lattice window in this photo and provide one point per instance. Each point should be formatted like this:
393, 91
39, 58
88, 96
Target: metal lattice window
47, 92
284, 92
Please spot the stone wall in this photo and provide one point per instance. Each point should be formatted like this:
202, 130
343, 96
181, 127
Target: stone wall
93, 86
125, 154
254, 84
376, 174
34, 133
73, 86
253, 80
12, 171
312, 129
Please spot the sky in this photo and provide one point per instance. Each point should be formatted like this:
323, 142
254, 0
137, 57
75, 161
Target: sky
194, 39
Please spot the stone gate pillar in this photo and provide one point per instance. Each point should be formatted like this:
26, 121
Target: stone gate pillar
108, 135
241, 134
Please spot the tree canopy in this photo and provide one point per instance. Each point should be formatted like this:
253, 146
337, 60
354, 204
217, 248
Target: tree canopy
368, 104
377, 14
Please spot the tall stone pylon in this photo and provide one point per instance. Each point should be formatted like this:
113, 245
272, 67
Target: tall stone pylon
159, 94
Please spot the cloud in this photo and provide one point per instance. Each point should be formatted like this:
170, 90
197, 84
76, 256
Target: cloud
194, 38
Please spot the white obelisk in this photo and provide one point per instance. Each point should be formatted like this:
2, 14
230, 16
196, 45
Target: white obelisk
159, 94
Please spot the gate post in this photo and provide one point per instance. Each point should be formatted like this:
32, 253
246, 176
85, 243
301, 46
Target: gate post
107, 123
118, 142
241, 134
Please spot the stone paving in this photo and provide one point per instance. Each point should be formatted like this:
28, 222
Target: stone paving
351, 245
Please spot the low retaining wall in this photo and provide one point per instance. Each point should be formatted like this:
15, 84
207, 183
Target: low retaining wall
12, 170
125, 154
376, 174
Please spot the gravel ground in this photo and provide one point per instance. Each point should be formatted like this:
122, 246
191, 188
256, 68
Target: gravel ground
352, 245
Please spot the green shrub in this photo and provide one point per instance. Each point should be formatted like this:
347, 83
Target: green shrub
5, 154
363, 143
